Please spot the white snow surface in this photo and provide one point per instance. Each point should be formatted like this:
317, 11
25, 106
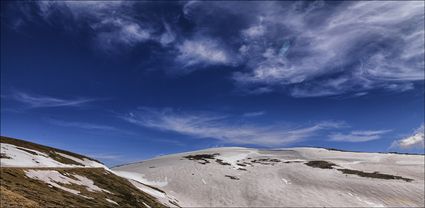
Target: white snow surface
21, 158
86, 162
54, 178
140, 182
139, 178
146, 205
236, 155
163, 198
24, 157
111, 201
287, 183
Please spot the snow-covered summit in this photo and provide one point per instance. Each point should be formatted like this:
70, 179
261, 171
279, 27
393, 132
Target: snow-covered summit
290, 177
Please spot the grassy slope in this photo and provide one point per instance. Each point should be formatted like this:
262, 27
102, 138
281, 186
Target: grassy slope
52, 152
17, 190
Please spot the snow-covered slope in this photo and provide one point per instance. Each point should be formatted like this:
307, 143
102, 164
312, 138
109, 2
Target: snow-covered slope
280, 178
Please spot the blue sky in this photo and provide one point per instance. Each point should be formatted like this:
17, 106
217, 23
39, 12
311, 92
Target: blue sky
123, 80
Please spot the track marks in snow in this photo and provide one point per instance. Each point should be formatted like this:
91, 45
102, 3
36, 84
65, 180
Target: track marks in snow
366, 202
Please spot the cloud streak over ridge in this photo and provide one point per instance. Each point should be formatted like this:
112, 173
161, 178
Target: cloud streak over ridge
223, 128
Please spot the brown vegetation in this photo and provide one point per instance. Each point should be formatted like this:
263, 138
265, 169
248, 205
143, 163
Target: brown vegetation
17, 190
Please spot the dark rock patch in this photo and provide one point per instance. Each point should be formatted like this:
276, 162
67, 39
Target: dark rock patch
221, 162
374, 175
321, 164
202, 158
232, 177
266, 161
4, 156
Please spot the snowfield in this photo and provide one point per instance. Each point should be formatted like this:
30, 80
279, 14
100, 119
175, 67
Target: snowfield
246, 177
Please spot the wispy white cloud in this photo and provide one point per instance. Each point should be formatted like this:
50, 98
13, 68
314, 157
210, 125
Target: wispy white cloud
114, 23
82, 125
224, 128
303, 48
203, 51
41, 101
254, 31
122, 32
415, 141
313, 49
168, 36
358, 136
254, 114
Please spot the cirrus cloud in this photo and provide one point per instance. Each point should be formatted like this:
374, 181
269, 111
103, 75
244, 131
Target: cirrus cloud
358, 136
302, 48
41, 101
223, 127
204, 52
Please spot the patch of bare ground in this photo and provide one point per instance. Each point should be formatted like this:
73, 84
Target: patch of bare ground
328, 165
374, 175
221, 162
266, 161
11, 199
202, 158
295, 161
320, 164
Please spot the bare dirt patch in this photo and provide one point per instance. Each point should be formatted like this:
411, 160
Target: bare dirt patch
321, 164
328, 165
202, 158
221, 162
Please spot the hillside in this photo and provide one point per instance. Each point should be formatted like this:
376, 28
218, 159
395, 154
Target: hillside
34, 175
295, 177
